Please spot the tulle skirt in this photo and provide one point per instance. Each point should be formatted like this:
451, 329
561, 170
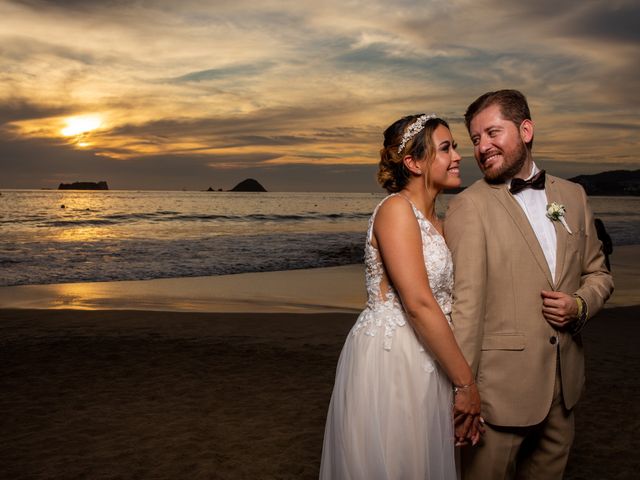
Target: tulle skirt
390, 415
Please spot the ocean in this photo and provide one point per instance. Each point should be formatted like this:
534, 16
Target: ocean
51, 236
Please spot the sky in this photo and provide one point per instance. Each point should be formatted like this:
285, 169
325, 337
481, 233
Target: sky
167, 95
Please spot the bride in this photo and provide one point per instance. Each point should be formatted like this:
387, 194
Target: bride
400, 370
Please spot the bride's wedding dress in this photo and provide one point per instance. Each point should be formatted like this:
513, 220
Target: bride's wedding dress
390, 415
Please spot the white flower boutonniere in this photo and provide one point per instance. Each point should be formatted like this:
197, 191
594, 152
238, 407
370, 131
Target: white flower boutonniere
555, 212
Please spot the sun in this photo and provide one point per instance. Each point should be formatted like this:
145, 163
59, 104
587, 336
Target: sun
81, 124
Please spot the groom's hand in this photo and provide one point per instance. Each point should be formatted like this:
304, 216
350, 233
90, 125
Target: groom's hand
559, 309
474, 426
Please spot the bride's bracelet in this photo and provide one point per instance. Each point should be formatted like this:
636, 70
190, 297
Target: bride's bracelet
457, 388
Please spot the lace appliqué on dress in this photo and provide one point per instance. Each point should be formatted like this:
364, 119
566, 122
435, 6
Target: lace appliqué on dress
385, 308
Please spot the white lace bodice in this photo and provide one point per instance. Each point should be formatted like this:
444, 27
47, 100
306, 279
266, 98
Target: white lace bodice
384, 308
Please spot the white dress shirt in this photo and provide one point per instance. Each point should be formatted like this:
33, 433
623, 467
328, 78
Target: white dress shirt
534, 204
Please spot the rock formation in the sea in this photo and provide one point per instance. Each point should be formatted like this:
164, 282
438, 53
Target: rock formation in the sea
248, 185
84, 186
614, 183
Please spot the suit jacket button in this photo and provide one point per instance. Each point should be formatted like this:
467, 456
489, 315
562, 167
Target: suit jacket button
553, 340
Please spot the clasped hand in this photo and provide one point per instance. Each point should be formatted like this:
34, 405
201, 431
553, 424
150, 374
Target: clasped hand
559, 309
466, 416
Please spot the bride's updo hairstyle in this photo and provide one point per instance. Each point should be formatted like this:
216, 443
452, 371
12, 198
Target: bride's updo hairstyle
399, 142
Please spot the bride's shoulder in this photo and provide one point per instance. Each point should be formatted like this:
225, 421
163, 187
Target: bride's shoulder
393, 212
394, 203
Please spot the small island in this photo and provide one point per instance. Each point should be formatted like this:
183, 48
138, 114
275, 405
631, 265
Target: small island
84, 186
248, 185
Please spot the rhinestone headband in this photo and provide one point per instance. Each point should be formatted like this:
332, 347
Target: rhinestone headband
414, 129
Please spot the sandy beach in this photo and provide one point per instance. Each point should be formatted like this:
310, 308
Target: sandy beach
199, 388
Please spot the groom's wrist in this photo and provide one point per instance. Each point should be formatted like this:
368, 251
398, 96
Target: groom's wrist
581, 317
582, 308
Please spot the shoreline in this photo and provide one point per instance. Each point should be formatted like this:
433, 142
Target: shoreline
327, 289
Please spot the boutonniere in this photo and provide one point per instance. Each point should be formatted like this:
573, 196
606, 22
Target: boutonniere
555, 212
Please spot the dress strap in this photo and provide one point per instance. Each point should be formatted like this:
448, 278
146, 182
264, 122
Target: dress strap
417, 212
415, 209
373, 215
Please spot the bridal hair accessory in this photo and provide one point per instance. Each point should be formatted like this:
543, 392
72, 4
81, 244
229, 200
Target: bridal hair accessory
555, 212
413, 130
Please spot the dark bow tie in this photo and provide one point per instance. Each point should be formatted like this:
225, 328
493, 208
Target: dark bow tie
536, 182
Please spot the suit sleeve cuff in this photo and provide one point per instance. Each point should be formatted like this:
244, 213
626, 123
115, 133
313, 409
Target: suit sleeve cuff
583, 315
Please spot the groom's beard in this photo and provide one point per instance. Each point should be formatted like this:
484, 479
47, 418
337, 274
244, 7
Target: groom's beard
511, 165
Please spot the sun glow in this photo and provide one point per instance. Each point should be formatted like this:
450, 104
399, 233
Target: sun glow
81, 124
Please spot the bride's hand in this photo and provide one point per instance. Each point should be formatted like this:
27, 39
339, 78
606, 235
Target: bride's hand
466, 409
466, 400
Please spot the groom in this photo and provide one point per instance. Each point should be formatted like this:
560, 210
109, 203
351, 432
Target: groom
525, 285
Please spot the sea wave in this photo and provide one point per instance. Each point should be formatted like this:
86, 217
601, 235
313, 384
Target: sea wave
115, 219
124, 235
109, 260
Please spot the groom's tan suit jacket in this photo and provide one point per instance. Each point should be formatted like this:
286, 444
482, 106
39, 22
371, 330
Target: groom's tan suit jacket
500, 270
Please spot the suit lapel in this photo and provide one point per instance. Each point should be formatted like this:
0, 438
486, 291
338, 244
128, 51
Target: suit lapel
554, 195
512, 207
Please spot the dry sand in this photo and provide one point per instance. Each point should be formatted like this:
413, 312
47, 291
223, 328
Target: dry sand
170, 395
131, 394
121, 394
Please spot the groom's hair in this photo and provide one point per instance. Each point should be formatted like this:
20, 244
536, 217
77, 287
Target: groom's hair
513, 106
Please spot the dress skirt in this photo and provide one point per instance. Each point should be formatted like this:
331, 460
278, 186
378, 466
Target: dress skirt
390, 415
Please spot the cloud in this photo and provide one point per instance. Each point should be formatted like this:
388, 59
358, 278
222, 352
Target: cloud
608, 22
15, 109
70, 5
279, 86
218, 73
609, 126
594, 21
46, 165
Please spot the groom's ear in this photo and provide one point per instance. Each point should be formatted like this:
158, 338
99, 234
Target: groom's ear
526, 130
